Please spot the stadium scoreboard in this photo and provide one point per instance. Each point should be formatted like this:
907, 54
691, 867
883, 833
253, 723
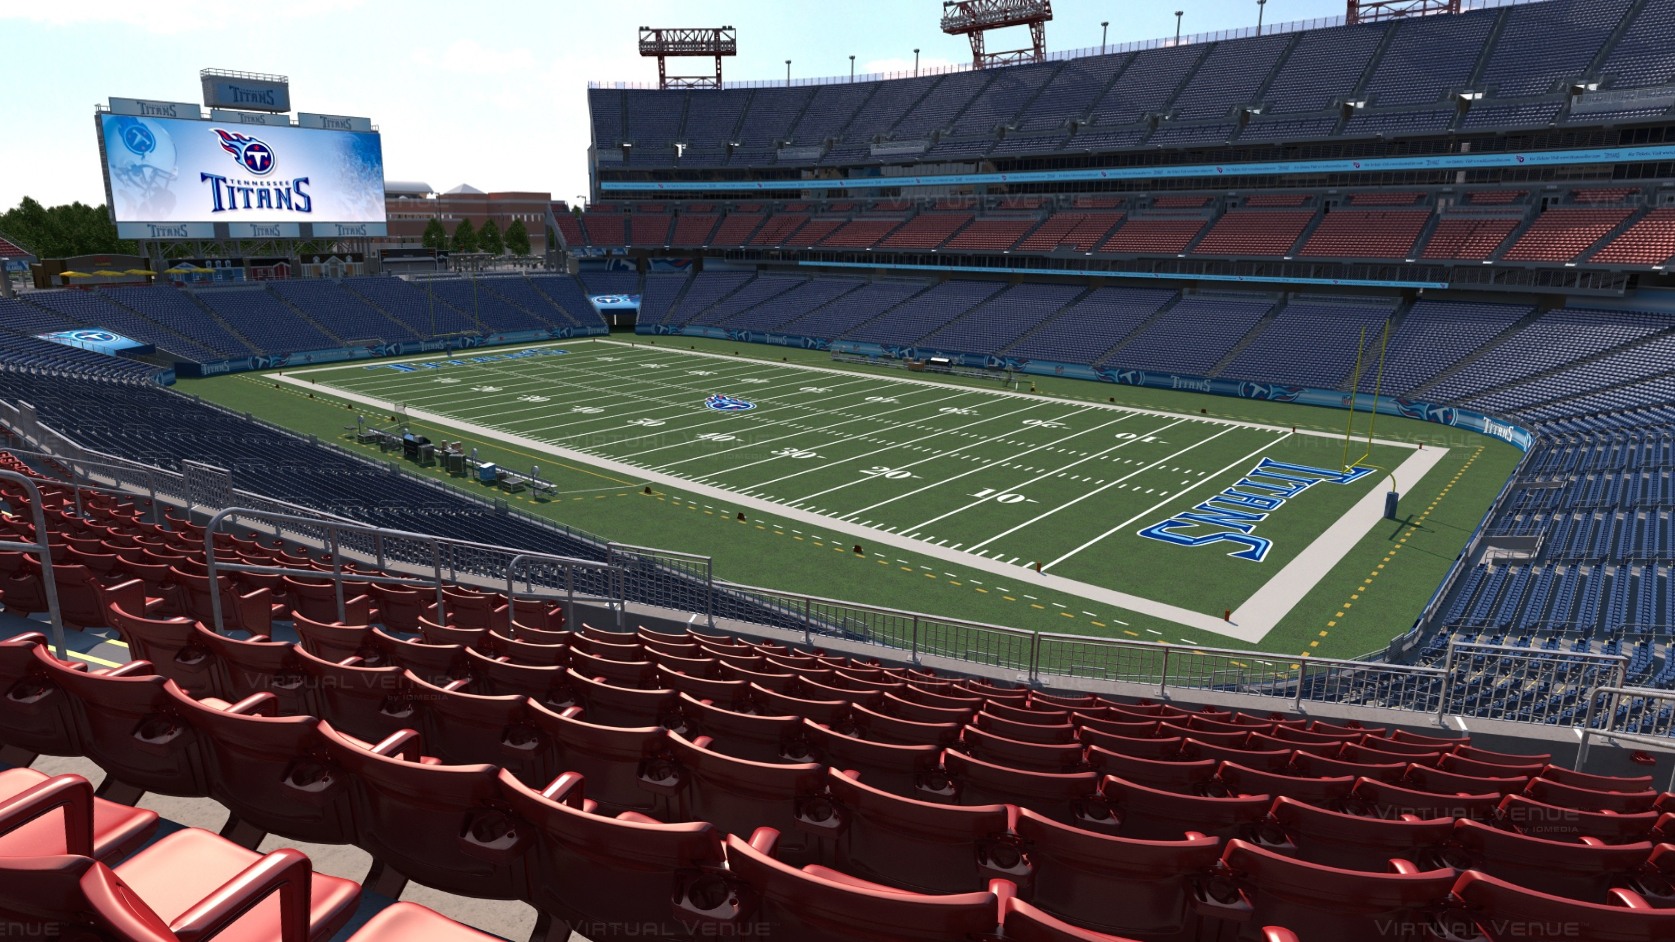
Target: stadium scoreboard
170, 173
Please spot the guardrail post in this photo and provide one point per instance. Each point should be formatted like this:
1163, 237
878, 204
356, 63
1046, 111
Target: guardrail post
43, 546
808, 620
512, 598
1447, 682
1302, 678
76, 488
436, 569
570, 597
1035, 657
378, 547
709, 590
1163, 675
915, 643
337, 575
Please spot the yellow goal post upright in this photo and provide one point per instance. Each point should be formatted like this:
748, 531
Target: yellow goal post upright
1372, 420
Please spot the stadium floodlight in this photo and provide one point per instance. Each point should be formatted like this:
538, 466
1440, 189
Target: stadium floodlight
1373, 11
707, 41
972, 18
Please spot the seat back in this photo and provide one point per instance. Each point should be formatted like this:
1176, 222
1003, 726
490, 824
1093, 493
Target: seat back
611, 878
130, 726
815, 907
737, 795
1118, 885
369, 702
1504, 912
1347, 841
465, 728
270, 772
36, 716
626, 769
442, 825
1071, 797
916, 845
1321, 903
171, 645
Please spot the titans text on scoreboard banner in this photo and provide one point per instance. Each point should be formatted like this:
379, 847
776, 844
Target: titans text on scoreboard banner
169, 177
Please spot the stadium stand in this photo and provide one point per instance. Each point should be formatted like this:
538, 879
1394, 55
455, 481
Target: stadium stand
779, 774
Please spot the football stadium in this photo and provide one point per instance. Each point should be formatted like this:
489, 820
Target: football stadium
1215, 488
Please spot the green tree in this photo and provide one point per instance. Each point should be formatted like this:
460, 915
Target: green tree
517, 238
435, 236
489, 240
465, 237
62, 231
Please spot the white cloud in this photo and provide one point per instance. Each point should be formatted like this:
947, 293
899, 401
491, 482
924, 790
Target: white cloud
470, 57
83, 14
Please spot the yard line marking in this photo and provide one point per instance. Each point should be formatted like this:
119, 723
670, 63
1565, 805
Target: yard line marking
1153, 508
983, 467
1019, 487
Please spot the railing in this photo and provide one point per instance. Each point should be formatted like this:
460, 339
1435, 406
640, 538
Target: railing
1111, 49
427, 561
43, 552
1503, 681
1663, 723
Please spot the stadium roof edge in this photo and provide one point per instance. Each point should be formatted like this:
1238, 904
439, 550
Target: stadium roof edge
1295, 26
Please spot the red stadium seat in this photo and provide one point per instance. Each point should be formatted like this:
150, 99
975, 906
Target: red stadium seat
821, 905
1347, 841
1071, 798
189, 882
44, 816
742, 735
899, 770
1272, 760
1025, 732
1307, 763
334, 642
244, 666
444, 826
1157, 815
369, 702
435, 663
1452, 783
1577, 871
1165, 749
464, 728
1182, 776
737, 795
170, 644
611, 705
36, 716
1499, 911
1602, 783
1552, 822
493, 676
1378, 799
1039, 757
611, 878
1468, 751
626, 769
1238, 779
271, 774
128, 725
1463, 766
1323, 904
882, 727
1115, 884
1587, 799
915, 845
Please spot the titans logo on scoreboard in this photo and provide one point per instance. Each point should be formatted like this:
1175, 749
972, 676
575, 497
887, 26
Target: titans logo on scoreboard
722, 403
253, 155
257, 158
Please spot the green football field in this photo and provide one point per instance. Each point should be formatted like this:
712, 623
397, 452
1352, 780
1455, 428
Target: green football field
965, 485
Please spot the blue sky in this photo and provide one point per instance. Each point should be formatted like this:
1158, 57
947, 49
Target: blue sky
492, 94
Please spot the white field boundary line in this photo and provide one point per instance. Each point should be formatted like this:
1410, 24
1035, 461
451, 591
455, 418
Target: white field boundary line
1020, 395
1132, 603
1281, 593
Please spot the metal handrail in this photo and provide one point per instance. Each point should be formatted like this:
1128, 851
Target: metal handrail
42, 548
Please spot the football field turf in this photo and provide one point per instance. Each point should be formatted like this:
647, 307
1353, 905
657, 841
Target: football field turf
994, 480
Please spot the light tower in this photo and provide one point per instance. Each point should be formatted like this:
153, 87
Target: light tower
972, 18
1372, 11
708, 41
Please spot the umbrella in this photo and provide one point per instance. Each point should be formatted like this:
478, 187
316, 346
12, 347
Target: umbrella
203, 270
138, 271
107, 273
180, 270
75, 274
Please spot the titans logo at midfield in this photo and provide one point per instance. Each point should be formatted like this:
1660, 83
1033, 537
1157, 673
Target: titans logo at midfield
253, 155
722, 403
